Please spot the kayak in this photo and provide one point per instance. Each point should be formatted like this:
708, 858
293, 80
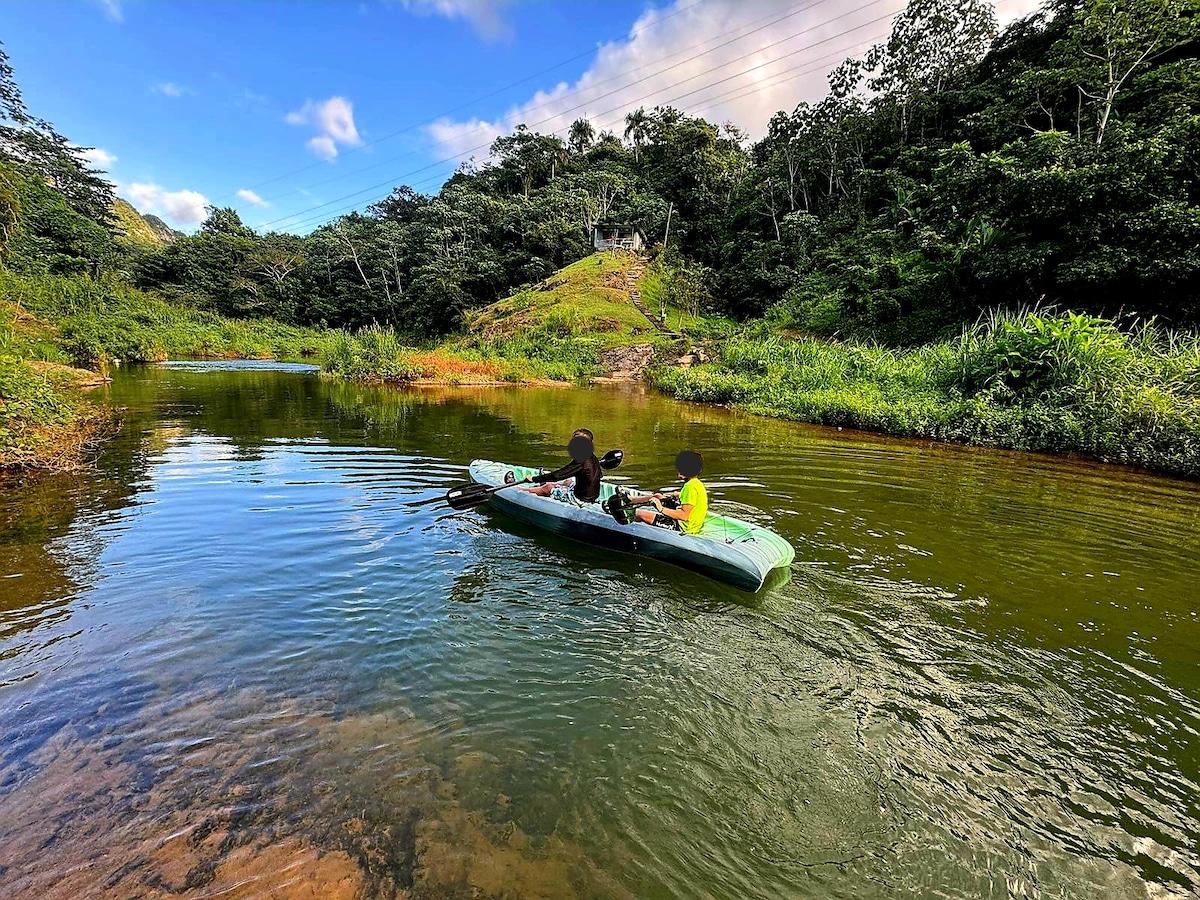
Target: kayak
727, 549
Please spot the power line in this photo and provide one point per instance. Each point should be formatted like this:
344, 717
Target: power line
739, 92
813, 67
778, 58
746, 92
577, 107
488, 96
578, 90
305, 216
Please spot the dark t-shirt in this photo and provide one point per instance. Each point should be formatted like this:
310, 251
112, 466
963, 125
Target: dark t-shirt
587, 476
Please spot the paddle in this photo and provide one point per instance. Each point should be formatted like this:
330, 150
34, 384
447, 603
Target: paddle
621, 506
467, 496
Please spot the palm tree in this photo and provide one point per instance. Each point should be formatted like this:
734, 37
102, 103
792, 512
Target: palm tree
581, 135
637, 129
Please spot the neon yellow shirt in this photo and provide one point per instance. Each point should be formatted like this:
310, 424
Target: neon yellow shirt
694, 493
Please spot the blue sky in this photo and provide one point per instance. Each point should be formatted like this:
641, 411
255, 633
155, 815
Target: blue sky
293, 104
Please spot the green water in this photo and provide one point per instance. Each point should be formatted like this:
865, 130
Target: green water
241, 659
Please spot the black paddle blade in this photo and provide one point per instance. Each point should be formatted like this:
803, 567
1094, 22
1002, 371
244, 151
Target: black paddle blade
611, 459
466, 496
620, 508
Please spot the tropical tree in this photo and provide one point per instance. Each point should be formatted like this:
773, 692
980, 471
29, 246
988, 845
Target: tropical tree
1114, 39
581, 136
637, 130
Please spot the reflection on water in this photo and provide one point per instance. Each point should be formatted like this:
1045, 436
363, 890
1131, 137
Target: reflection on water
244, 660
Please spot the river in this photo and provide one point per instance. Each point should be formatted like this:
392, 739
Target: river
242, 658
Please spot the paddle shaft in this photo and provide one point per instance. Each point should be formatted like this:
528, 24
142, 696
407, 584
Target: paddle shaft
466, 496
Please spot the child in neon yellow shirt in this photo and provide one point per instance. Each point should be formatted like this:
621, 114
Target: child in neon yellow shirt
693, 499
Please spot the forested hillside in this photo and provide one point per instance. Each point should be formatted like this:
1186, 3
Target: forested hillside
951, 171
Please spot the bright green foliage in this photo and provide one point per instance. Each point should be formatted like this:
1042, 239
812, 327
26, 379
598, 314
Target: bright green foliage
40, 232
1027, 382
1061, 166
106, 319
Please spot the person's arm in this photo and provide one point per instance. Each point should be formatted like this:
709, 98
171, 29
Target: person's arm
680, 514
570, 470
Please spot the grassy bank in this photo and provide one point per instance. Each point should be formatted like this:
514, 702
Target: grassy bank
1034, 381
46, 421
51, 324
1038, 382
106, 319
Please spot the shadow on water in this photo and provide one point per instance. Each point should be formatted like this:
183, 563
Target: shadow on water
242, 661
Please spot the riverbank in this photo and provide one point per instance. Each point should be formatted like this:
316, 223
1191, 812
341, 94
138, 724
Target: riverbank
59, 335
1055, 383
1042, 382
46, 421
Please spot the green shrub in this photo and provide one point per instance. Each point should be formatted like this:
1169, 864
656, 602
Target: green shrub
1039, 382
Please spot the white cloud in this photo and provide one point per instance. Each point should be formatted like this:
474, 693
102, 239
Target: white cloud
333, 120
485, 16
252, 198
97, 158
323, 147
170, 89
112, 9
178, 207
726, 60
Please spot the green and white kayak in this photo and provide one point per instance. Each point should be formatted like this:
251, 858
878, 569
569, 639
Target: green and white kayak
727, 549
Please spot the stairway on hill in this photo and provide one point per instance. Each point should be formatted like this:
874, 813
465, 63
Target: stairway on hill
632, 275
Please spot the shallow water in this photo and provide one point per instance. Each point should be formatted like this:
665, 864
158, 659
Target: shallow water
240, 659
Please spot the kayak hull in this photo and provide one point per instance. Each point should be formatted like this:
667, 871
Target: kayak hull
729, 550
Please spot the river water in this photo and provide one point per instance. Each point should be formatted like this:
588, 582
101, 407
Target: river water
242, 659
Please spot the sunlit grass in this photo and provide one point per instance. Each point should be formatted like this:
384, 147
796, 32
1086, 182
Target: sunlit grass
106, 319
1040, 382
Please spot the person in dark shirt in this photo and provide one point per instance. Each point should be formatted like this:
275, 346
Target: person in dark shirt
579, 478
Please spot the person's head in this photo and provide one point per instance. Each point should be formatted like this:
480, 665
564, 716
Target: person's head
689, 464
581, 446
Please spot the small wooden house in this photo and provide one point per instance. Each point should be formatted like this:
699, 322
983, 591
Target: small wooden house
618, 237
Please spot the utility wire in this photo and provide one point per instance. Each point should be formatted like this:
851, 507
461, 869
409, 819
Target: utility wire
488, 96
304, 217
739, 92
794, 11
316, 219
730, 96
392, 180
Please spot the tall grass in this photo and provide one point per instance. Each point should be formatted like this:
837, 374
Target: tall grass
105, 319
378, 354
1025, 381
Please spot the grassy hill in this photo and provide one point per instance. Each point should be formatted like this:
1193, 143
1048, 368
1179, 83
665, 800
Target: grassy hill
570, 327
148, 230
588, 299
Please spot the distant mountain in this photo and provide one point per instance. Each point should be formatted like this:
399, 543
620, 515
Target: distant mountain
164, 231
142, 229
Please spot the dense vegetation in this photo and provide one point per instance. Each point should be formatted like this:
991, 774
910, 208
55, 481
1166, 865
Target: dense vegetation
950, 172
1023, 381
953, 176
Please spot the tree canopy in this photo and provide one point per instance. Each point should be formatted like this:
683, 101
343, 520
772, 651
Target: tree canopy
951, 170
